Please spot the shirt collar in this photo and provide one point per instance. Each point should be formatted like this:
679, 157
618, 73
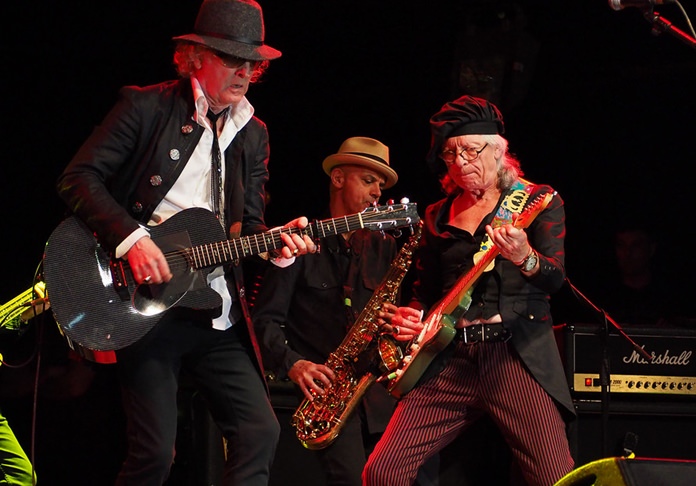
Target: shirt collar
240, 114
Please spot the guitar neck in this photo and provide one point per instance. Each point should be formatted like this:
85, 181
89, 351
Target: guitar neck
222, 252
450, 302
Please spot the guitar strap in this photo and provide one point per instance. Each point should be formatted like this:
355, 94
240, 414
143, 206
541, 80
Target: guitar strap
513, 203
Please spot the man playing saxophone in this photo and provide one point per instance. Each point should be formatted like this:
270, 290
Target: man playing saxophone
303, 312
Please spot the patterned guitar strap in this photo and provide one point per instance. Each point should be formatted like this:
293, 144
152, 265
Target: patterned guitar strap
512, 204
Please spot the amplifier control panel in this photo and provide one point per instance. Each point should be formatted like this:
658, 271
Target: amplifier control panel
671, 385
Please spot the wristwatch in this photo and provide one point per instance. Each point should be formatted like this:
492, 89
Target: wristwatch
528, 264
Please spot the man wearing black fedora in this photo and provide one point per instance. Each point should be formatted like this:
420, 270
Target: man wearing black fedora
302, 312
162, 149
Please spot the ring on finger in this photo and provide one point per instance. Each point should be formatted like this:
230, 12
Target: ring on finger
295, 251
396, 330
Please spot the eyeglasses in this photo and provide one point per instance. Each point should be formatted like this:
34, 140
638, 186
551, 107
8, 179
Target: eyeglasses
469, 154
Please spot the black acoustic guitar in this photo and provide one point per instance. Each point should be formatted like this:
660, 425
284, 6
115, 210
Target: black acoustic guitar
98, 305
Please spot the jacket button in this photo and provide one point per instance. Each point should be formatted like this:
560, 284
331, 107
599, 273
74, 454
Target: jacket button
156, 180
137, 207
531, 317
174, 154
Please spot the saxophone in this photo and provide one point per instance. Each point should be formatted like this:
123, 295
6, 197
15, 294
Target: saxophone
318, 422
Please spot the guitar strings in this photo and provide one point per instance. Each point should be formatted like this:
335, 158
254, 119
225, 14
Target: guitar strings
222, 252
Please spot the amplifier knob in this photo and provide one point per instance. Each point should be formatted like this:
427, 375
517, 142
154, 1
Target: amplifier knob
630, 384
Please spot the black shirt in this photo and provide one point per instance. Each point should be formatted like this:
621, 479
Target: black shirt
300, 312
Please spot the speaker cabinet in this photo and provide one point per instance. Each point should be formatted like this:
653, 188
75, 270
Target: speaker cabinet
619, 471
647, 429
650, 405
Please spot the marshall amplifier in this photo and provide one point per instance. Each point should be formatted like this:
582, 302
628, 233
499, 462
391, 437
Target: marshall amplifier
671, 373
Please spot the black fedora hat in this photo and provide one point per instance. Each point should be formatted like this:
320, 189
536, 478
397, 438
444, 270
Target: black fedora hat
234, 27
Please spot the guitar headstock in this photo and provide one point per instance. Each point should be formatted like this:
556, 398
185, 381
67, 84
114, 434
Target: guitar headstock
533, 209
390, 216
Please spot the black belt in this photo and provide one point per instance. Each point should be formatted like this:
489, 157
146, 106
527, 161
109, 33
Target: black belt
483, 333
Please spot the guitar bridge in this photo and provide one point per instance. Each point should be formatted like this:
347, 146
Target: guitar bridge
119, 279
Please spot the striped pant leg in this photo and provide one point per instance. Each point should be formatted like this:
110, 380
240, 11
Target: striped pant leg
425, 421
527, 416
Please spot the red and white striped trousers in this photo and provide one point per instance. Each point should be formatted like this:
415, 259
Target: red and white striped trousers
482, 378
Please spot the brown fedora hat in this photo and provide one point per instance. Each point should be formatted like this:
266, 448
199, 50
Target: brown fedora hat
234, 27
366, 152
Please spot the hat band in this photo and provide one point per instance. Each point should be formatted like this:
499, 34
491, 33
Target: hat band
476, 128
369, 156
243, 40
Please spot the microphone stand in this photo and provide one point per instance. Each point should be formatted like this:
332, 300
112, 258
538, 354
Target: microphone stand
660, 25
604, 369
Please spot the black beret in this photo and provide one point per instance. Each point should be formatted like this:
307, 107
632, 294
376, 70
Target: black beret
464, 116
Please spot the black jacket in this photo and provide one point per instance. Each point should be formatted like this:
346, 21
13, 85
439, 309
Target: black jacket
130, 162
522, 302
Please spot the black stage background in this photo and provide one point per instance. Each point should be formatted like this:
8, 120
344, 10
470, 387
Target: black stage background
595, 105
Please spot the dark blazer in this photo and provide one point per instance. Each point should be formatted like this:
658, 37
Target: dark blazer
132, 159
523, 302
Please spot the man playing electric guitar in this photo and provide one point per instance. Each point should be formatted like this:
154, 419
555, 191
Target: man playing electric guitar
503, 360
192, 142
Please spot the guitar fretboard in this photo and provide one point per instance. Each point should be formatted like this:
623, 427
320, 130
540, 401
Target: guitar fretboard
222, 252
450, 303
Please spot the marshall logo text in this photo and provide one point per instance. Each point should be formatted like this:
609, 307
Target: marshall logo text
681, 359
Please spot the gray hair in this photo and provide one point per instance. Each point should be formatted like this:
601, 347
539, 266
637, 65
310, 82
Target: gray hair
509, 169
